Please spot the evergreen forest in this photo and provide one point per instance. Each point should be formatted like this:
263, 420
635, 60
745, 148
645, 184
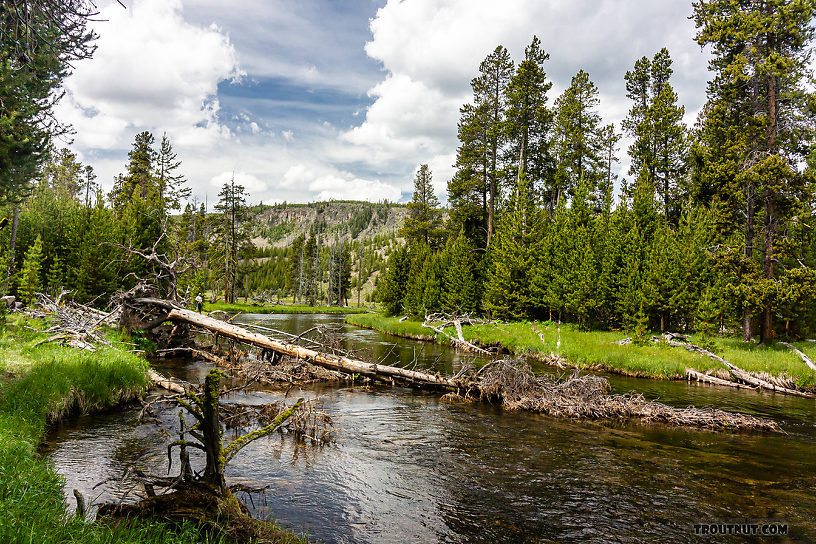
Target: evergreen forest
710, 229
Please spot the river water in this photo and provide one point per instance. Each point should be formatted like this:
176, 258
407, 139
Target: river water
406, 467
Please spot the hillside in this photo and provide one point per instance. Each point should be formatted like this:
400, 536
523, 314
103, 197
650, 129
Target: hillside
347, 221
369, 231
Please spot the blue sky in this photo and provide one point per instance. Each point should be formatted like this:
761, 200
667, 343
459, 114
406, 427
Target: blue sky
319, 99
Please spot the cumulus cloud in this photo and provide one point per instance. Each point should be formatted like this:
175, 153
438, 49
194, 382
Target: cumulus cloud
250, 182
151, 69
431, 49
351, 99
328, 184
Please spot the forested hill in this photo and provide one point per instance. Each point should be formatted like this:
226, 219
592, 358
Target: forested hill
279, 225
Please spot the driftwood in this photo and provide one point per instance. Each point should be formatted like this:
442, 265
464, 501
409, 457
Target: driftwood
167, 311
804, 357
692, 374
160, 381
739, 373
510, 383
458, 341
193, 352
513, 384
70, 324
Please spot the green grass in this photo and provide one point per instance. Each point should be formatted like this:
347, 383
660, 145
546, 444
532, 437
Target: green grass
281, 309
39, 385
588, 349
392, 325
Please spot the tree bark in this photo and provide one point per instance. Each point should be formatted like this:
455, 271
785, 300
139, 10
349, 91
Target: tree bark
211, 432
332, 362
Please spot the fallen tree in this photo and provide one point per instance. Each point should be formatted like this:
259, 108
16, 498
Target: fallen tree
510, 383
801, 355
204, 495
513, 384
152, 312
438, 324
738, 373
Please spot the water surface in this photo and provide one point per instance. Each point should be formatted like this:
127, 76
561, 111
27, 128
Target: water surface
407, 467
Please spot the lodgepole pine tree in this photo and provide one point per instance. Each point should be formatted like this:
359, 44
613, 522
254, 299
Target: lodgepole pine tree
760, 60
529, 121
424, 222
655, 123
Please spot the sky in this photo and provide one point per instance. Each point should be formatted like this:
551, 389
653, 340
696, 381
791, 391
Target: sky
304, 100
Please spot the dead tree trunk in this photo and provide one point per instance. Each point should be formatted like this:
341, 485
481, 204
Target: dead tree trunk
171, 312
739, 373
801, 355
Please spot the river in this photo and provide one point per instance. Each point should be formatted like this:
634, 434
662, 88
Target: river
406, 467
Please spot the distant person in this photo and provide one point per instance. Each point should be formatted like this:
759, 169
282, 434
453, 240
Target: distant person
199, 303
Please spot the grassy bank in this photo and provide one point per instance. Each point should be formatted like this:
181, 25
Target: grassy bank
281, 309
39, 385
597, 349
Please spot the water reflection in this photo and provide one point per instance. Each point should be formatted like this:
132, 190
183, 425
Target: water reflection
409, 468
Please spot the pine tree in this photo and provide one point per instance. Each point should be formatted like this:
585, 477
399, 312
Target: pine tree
468, 189
391, 289
311, 270
30, 281
424, 222
418, 276
579, 146
233, 234
490, 90
655, 123
139, 182
529, 121
508, 294
171, 183
38, 43
294, 281
461, 288
755, 118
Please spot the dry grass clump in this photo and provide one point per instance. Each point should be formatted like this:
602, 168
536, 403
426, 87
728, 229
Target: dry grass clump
513, 384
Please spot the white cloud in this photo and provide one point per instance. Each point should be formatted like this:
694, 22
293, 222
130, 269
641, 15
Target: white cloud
159, 63
151, 69
250, 182
328, 184
431, 49
338, 188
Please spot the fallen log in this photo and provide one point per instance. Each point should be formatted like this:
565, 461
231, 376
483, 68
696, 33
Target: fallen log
804, 357
459, 342
160, 381
692, 374
193, 352
739, 373
339, 363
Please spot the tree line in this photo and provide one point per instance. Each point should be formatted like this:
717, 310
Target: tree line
715, 230
67, 232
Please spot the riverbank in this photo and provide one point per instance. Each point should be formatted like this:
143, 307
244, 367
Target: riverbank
599, 350
281, 308
39, 386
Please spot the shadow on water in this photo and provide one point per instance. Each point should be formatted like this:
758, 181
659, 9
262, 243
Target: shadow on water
409, 468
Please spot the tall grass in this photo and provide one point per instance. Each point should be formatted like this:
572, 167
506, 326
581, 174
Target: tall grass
392, 325
40, 385
598, 349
